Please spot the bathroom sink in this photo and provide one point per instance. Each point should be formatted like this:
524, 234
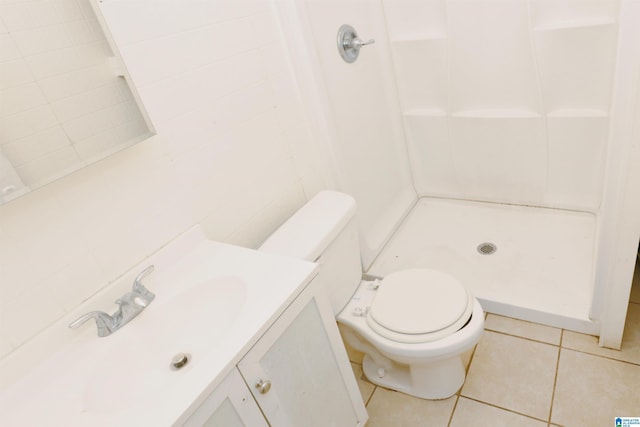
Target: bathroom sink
192, 322
212, 301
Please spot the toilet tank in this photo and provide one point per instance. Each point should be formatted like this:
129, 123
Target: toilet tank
324, 230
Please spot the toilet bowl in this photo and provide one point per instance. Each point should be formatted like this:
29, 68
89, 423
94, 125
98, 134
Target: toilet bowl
414, 326
418, 342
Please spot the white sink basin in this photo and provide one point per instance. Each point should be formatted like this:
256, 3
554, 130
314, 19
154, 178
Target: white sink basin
212, 301
191, 322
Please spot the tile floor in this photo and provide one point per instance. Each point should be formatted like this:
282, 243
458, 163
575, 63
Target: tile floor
526, 374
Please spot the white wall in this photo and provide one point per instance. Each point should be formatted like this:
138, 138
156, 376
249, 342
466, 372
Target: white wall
619, 217
62, 104
230, 153
506, 100
361, 112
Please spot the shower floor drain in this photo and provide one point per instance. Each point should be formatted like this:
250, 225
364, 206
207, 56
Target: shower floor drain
487, 248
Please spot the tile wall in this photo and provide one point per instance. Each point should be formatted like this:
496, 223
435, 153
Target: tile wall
63, 105
231, 153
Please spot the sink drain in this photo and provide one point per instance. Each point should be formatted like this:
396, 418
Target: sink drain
487, 248
180, 360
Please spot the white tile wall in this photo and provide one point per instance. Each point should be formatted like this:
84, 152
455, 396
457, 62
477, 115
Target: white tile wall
27, 149
195, 87
14, 73
55, 76
101, 144
26, 123
20, 98
90, 101
22, 15
231, 153
8, 49
50, 166
69, 59
75, 82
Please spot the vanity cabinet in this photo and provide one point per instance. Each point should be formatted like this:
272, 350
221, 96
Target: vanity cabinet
298, 373
229, 405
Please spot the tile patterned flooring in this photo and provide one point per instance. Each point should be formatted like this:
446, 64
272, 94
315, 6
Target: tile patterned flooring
527, 375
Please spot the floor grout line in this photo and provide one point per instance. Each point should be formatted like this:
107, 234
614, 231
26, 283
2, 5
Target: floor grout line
555, 378
375, 388
468, 367
453, 411
524, 338
504, 409
602, 356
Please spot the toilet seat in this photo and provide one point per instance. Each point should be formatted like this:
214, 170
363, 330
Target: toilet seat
419, 306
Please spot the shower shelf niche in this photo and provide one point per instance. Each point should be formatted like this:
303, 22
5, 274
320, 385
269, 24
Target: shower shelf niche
577, 24
577, 112
506, 113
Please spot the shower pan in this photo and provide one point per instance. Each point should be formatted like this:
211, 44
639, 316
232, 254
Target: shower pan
527, 262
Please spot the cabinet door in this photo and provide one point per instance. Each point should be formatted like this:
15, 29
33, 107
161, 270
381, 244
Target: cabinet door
299, 371
229, 405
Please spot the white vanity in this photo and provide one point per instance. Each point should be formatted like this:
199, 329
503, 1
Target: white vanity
293, 373
263, 347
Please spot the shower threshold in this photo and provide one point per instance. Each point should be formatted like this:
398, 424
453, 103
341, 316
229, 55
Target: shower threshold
530, 263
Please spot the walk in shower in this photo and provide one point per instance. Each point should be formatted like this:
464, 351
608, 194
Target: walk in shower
471, 123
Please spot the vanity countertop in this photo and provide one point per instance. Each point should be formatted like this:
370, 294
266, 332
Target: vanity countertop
213, 301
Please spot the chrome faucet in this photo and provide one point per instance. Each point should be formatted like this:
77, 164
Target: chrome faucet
129, 306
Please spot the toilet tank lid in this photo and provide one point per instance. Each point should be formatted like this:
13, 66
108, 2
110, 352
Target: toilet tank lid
313, 227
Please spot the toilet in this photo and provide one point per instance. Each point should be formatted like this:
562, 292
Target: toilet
414, 326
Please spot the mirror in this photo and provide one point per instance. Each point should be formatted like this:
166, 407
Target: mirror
65, 98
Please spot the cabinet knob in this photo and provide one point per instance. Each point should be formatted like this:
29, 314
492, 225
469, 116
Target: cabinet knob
263, 386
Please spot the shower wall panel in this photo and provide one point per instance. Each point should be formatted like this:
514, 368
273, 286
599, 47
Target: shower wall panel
506, 100
364, 118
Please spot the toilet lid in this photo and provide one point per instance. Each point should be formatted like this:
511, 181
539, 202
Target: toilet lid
419, 305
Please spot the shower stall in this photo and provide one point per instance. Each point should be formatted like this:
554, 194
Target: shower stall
491, 139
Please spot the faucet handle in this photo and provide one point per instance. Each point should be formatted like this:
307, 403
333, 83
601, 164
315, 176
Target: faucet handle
104, 322
144, 273
138, 287
129, 306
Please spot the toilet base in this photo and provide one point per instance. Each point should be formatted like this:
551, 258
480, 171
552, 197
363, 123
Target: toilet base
436, 380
